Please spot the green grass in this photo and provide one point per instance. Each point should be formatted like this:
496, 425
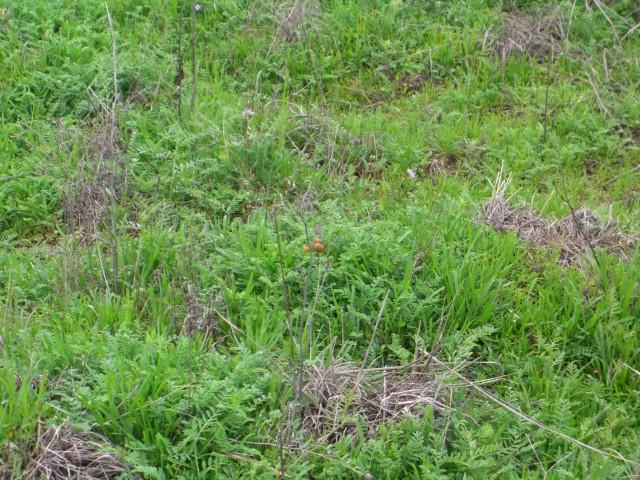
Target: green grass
330, 118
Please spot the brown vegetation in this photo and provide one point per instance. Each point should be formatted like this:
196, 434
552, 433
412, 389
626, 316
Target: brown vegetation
576, 234
60, 453
341, 394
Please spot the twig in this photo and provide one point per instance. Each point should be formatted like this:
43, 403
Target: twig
180, 60
112, 133
578, 225
305, 295
193, 58
618, 177
546, 99
319, 285
440, 332
283, 281
599, 101
305, 298
116, 93
373, 335
637, 372
573, 6
555, 464
604, 13
630, 32
531, 420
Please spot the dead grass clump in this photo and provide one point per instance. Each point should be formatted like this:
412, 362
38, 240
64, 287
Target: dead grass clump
531, 35
583, 230
5, 471
293, 18
103, 137
91, 192
409, 84
575, 235
87, 201
341, 395
60, 453
306, 202
438, 166
198, 318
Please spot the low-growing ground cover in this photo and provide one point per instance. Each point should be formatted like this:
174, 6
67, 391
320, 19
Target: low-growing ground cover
334, 239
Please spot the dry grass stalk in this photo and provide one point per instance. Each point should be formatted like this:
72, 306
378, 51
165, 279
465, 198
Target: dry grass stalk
91, 194
5, 470
528, 419
306, 202
534, 36
342, 394
409, 84
575, 234
292, 19
88, 200
60, 453
198, 318
440, 165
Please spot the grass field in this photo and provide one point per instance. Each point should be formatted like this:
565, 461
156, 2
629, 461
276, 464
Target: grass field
335, 239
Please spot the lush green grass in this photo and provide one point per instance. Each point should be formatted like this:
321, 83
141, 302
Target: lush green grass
333, 119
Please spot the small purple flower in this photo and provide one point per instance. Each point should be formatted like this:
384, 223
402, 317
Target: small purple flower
412, 173
197, 7
247, 113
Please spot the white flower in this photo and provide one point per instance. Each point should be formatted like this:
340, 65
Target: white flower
412, 173
247, 112
197, 7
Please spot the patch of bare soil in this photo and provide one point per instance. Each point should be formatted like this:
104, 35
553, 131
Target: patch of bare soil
576, 235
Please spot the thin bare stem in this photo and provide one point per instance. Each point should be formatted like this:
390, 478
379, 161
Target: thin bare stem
319, 284
112, 133
180, 59
546, 100
609, 21
305, 298
531, 420
578, 225
116, 93
194, 75
373, 333
283, 281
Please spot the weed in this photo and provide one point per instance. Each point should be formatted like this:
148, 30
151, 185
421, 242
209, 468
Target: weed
154, 284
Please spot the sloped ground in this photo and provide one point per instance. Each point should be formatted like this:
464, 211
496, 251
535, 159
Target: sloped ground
277, 249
